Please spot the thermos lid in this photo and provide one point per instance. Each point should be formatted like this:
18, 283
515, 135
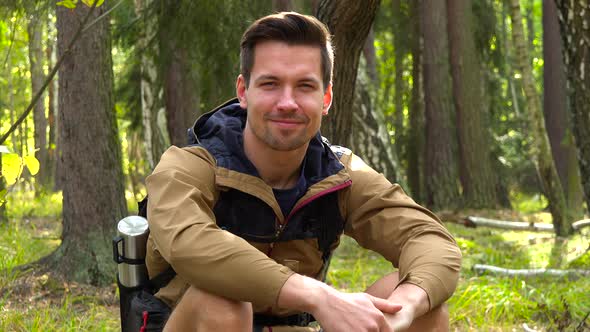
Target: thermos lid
132, 225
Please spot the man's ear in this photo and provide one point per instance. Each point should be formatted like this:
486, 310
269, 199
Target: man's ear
241, 91
327, 100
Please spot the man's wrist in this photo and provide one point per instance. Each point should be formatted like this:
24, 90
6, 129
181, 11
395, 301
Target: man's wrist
413, 297
302, 293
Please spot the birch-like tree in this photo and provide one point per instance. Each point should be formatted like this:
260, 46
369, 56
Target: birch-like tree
540, 149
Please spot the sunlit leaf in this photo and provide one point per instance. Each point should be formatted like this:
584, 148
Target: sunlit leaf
90, 2
32, 164
11, 167
4, 149
68, 3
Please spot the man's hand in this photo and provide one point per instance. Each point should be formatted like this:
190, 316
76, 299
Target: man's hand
354, 312
401, 320
337, 311
414, 301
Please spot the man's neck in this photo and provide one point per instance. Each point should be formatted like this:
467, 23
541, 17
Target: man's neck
279, 169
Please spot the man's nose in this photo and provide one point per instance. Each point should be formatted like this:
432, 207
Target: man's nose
286, 100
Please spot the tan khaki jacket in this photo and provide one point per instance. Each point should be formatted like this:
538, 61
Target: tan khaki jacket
183, 191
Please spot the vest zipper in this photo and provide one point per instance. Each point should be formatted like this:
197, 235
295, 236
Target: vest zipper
282, 226
343, 185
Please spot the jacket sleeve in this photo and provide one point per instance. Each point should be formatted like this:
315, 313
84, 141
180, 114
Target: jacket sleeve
182, 194
382, 218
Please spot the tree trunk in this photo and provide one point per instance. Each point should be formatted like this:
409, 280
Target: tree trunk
442, 191
50, 55
555, 111
370, 138
398, 86
415, 152
574, 17
540, 153
349, 22
475, 171
181, 96
282, 5
34, 28
11, 109
93, 192
3, 189
370, 56
155, 140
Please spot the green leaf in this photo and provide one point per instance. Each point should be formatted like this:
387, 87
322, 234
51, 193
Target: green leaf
90, 2
32, 164
4, 149
3, 193
71, 4
11, 167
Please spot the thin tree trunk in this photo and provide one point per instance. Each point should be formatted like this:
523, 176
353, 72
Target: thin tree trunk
10, 88
50, 55
181, 96
555, 111
35, 31
3, 189
574, 17
155, 141
541, 153
370, 56
415, 151
398, 86
475, 171
349, 21
507, 61
442, 191
93, 191
370, 138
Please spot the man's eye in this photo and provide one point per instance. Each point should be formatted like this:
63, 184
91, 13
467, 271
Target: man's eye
268, 84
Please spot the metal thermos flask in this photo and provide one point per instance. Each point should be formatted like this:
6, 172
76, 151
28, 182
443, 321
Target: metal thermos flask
129, 249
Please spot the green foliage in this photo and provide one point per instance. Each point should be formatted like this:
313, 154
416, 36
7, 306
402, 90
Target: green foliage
12, 168
71, 313
581, 262
528, 203
71, 4
24, 204
23, 241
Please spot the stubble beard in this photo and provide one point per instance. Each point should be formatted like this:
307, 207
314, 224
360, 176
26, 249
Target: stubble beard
284, 143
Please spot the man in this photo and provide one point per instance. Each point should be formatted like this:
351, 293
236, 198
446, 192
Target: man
249, 214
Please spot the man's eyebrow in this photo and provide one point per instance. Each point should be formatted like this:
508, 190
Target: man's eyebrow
310, 80
266, 78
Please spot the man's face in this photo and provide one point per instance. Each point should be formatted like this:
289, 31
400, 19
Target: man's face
285, 97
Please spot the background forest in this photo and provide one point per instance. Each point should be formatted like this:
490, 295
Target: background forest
479, 109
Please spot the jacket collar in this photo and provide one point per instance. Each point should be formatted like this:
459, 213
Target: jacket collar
221, 133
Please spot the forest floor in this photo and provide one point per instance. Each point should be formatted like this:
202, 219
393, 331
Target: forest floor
32, 300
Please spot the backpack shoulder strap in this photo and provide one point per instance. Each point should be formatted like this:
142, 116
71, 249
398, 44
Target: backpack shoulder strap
161, 279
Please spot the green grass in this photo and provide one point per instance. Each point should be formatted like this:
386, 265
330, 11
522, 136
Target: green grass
33, 302
24, 204
484, 303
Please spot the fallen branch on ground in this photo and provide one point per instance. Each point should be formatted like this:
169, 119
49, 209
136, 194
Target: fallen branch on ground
494, 270
472, 221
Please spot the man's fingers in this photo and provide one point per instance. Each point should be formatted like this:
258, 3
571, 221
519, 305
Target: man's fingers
386, 306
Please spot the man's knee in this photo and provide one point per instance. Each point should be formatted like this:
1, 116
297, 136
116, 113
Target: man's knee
208, 312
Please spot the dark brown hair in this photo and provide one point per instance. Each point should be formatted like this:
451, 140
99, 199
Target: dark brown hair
291, 28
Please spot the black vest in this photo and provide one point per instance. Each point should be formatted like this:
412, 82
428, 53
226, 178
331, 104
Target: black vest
253, 220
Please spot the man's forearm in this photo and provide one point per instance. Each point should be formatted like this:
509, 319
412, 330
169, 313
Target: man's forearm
301, 293
413, 296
